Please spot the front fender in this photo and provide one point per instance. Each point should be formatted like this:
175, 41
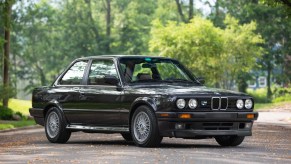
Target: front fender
151, 102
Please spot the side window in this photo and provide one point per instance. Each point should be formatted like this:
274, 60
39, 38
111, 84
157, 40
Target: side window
99, 70
75, 74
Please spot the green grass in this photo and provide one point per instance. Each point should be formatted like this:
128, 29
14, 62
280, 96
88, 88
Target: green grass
4, 125
21, 106
263, 105
273, 105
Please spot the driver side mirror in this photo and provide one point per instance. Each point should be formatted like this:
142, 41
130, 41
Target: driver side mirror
201, 80
112, 80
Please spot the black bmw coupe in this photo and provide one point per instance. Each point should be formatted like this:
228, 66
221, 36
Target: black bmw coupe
144, 99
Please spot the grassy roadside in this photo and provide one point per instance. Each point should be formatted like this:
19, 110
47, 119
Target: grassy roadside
21, 106
4, 125
275, 106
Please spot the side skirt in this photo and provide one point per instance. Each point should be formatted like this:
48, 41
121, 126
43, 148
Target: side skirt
98, 128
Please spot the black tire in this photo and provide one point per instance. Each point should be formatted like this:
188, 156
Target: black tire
152, 138
53, 133
126, 136
229, 140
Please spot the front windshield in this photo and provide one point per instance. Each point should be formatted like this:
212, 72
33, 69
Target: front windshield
135, 70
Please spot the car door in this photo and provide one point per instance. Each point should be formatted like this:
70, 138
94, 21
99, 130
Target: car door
100, 100
67, 91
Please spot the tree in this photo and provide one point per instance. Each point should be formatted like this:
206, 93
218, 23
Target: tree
287, 3
7, 9
108, 25
133, 26
215, 53
273, 24
180, 4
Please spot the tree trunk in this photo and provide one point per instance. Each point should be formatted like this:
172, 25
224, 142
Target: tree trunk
7, 13
93, 25
108, 25
269, 92
216, 18
180, 11
191, 9
42, 75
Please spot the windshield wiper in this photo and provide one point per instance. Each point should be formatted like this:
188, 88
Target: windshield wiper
145, 81
177, 80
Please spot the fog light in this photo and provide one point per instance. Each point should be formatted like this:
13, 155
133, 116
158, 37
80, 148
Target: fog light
179, 126
248, 125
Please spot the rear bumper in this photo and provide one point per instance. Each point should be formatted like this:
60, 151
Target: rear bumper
38, 115
205, 124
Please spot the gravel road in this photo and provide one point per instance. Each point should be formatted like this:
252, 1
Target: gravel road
269, 144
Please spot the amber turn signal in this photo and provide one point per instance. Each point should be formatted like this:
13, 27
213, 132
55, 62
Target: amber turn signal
164, 115
250, 116
184, 116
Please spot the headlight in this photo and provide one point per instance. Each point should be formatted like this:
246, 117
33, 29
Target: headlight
239, 104
181, 103
192, 103
248, 103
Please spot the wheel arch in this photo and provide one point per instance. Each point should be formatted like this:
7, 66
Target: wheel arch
146, 101
55, 104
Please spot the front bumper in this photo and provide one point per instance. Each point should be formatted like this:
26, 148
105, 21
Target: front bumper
205, 124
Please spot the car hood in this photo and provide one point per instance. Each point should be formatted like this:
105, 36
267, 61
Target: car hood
182, 90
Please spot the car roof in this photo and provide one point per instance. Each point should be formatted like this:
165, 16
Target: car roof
120, 56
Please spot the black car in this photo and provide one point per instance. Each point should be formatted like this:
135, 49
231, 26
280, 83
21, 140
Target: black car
142, 98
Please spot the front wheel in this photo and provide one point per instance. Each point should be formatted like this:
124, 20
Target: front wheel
55, 127
229, 140
144, 128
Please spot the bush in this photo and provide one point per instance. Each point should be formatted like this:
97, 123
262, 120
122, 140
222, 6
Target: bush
282, 99
259, 95
5, 113
22, 116
281, 94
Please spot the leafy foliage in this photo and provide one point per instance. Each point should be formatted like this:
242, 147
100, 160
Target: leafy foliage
259, 95
207, 50
14, 124
237, 36
272, 23
6, 92
5, 113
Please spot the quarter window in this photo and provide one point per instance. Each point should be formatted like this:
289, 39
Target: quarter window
75, 74
99, 70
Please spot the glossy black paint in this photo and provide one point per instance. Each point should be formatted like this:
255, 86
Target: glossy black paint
111, 106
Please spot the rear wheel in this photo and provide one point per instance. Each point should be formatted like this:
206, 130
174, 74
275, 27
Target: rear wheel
55, 127
229, 140
144, 128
